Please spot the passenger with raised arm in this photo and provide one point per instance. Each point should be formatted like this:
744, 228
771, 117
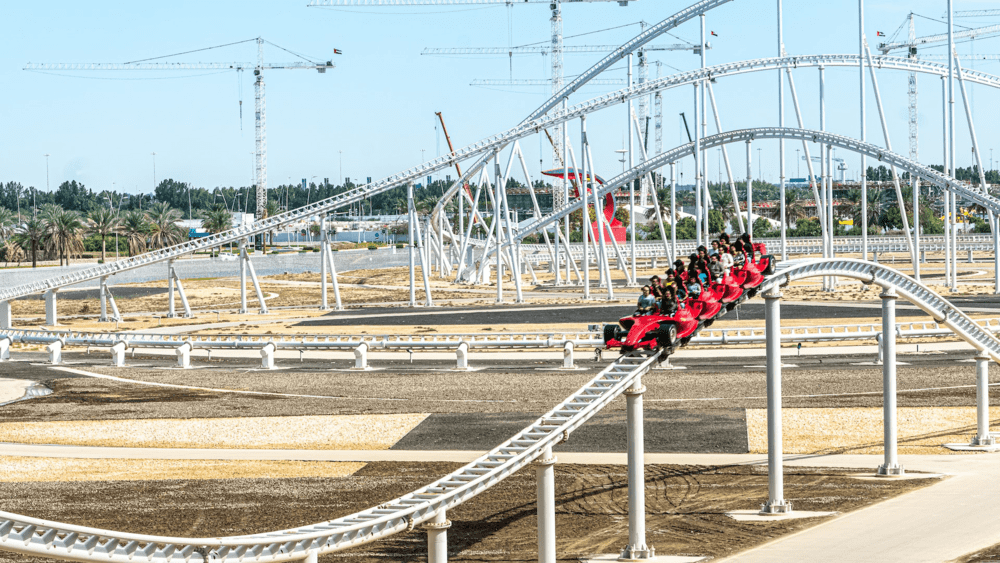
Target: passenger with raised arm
668, 303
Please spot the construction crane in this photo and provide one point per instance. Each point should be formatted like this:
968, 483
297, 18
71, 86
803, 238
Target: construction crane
556, 22
975, 13
910, 45
544, 50
260, 132
842, 166
540, 82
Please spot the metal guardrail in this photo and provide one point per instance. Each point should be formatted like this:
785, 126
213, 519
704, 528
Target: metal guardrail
536, 253
508, 341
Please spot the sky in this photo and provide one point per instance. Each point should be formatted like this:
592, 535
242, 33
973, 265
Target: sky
373, 115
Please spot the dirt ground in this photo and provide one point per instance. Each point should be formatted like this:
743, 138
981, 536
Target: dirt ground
685, 508
988, 555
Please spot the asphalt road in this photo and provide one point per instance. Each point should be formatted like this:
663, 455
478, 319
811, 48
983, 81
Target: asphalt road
526, 315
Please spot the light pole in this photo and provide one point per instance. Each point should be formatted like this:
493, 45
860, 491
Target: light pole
798, 166
46, 184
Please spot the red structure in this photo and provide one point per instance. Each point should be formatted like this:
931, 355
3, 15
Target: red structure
609, 202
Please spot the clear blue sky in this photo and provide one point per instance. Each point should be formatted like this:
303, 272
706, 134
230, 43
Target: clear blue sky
377, 105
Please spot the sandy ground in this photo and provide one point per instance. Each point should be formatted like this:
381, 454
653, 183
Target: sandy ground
859, 430
368, 432
685, 508
989, 555
45, 469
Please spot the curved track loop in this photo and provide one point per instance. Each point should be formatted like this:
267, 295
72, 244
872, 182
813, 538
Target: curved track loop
486, 147
927, 174
64, 541
943, 312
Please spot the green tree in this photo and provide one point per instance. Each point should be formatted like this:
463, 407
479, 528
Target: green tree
217, 220
33, 231
163, 228
135, 227
622, 215
66, 228
74, 196
103, 223
8, 223
686, 228
716, 221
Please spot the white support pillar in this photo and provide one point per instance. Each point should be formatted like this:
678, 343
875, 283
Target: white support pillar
338, 304
462, 355
568, 355
437, 537
267, 355
323, 245
411, 243
118, 353
4, 348
313, 557
361, 356
749, 188
697, 167
673, 212
636, 548
170, 290
115, 314
184, 355
891, 466
546, 502
6, 316
256, 285
184, 299
55, 351
781, 142
982, 437
864, 135
916, 226
51, 316
104, 299
243, 276
776, 503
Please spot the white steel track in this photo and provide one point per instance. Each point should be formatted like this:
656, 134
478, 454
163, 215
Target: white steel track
33, 536
484, 147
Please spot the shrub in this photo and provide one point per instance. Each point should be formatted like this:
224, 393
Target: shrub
400, 245
372, 247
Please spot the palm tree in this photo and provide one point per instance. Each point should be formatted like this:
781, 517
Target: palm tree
794, 210
135, 227
8, 223
66, 230
49, 214
12, 252
163, 228
104, 222
34, 233
217, 220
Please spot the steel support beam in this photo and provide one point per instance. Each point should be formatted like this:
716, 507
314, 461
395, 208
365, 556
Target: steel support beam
437, 537
891, 466
637, 548
546, 487
776, 503
983, 437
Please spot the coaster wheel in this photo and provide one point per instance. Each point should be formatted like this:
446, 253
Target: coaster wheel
667, 335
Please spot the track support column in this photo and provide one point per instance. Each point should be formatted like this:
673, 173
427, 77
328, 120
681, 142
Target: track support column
437, 538
4, 348
983, 437
636, 550
546, 480
104, 299
243, 277
890, 467
51, 317
776, 503
170, 290
6, 316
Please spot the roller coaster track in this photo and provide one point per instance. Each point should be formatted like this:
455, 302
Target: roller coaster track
33, 536
490, 146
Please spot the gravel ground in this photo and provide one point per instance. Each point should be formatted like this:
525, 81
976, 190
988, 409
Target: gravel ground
685, 508
920, 430
349, 432
988, 555
48, 469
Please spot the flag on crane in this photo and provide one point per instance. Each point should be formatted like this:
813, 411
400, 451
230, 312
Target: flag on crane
714, 34
338, 52
879, 34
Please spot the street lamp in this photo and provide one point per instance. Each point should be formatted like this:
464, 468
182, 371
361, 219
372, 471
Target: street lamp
798, 165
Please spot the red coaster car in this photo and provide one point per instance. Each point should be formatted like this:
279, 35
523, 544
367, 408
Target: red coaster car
649, 332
